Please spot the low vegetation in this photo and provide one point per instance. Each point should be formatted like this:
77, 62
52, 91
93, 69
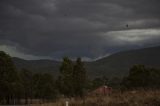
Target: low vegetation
127, 98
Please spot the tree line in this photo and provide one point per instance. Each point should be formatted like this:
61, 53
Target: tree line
142, 77
139, 77
17, 85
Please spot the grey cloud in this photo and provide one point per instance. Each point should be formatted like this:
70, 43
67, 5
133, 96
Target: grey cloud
134, 36
55, 28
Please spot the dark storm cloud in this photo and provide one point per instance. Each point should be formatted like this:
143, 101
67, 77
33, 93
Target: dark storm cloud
86, 28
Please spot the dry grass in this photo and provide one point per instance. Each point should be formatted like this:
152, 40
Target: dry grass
129, 98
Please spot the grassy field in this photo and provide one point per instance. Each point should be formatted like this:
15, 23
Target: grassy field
128, 98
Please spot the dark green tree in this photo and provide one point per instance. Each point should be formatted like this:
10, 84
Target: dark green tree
27, 82
44, 87
37, 79
66, 77
142, 77
79, 78
8, 78
154, 79
137, 77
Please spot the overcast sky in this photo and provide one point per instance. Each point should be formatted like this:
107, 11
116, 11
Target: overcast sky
91, 29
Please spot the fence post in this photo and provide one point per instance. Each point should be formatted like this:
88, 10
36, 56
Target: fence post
67, 103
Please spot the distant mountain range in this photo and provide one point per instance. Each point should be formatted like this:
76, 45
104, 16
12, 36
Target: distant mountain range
42, 66
115, 65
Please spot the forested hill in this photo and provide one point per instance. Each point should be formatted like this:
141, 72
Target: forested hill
120, 63
117, 64
44, 66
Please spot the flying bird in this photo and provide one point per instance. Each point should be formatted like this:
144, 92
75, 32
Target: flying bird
127, 26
